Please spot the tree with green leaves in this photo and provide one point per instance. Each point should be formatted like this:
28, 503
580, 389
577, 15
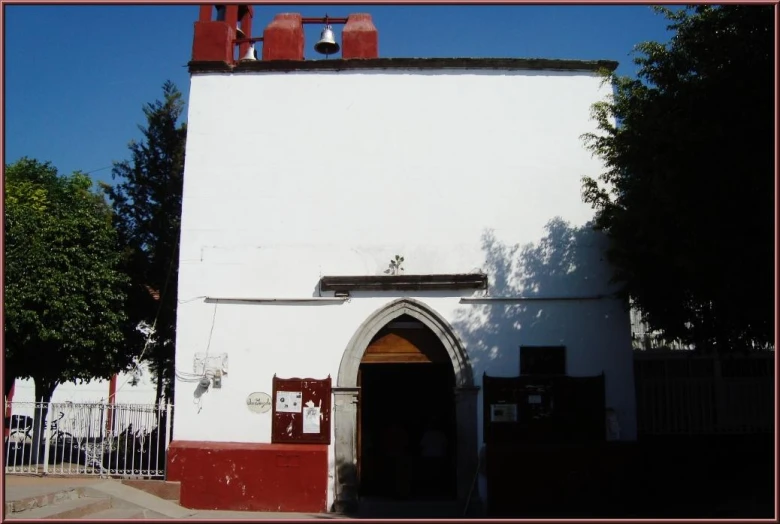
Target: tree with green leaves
147, 206
688, 192
64, 292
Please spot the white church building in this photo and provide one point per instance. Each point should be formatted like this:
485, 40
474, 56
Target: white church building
363, 241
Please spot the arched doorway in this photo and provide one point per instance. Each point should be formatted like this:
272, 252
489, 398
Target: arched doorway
463, 399
406, 415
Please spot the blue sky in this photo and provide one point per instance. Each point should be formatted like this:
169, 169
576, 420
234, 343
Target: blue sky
76, 77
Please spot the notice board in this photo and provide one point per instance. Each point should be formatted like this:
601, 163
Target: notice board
544, 409
301, 411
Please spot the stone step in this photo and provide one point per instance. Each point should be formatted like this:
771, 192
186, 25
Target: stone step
69, 509
124, 513
42, 500
159, 488
127, 497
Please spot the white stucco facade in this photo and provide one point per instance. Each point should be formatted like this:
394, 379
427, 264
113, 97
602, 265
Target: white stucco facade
291, 176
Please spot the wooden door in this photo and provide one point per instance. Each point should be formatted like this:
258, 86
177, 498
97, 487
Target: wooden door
401, 346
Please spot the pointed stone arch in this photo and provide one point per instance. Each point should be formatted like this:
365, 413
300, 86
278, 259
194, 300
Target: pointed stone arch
353, 354
346, 395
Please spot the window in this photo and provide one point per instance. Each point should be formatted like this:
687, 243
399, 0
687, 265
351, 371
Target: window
542, 360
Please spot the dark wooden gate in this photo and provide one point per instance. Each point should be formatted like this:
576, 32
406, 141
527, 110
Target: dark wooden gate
541, 434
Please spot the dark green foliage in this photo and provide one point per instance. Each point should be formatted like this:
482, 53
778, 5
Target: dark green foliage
64, 295
147, 205
688, 195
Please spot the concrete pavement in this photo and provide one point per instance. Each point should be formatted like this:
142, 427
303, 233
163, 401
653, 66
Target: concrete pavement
32, 496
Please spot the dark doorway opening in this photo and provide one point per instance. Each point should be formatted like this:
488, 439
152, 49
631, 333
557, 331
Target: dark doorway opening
405, 411
406, 436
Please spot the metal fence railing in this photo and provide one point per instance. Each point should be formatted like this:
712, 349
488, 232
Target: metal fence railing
109, 440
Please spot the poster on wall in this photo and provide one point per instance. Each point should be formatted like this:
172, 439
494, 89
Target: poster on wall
503, 413
311, 419
288, 401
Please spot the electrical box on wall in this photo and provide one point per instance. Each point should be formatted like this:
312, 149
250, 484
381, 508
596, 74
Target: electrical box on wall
210, 364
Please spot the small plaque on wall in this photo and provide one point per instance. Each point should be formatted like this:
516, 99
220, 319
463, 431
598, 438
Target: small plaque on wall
503, 413
259, 402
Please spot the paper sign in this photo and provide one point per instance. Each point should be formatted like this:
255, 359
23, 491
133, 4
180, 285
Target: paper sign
503, 413
288, 401
311, 420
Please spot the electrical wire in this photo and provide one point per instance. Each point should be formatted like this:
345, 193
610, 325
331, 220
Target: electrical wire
98, 169
191, 299
211, 332
185, 376
156, 317
190, 379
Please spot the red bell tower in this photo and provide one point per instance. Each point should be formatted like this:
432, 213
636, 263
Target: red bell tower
222, 28
217, 29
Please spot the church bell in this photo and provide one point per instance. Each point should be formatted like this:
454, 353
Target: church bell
250, 54
327, 44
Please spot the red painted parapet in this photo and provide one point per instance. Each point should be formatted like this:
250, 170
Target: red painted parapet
359, 38
213, 42
249, 476
215, 39
283, 38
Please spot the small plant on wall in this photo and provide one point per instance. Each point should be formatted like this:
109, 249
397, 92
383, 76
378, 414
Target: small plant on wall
396, 266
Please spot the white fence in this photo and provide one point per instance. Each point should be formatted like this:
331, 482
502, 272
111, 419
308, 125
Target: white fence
108, 440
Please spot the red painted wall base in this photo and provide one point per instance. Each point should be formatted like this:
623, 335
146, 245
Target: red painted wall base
250, 477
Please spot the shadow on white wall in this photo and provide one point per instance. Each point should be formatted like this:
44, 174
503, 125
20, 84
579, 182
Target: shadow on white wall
568, 261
